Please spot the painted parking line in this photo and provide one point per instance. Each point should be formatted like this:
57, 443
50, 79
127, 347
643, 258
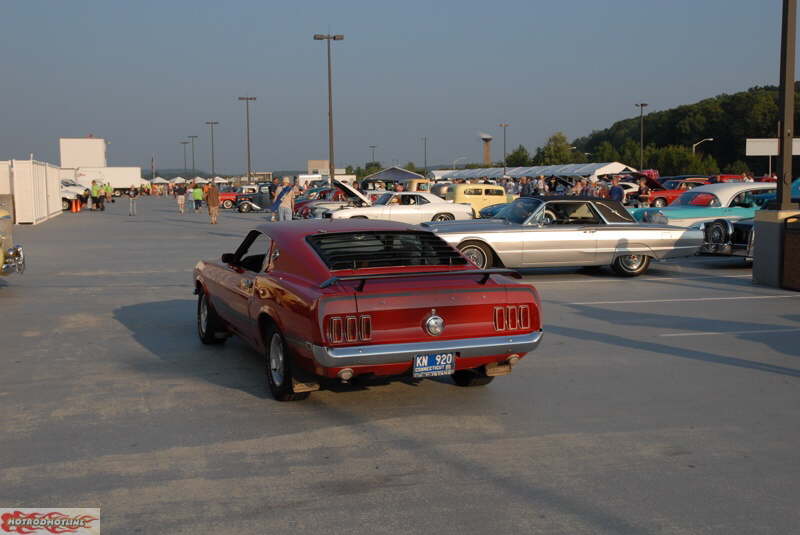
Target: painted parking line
686, 300
714, 333
626, 280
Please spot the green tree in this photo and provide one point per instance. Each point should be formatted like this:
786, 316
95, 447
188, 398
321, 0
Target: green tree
557, 151
605, 152
519, 157
679, 160
736, 168
413, 168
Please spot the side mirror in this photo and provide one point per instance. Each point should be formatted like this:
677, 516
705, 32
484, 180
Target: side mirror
228, 258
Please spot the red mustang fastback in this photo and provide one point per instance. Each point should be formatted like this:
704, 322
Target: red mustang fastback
338, 299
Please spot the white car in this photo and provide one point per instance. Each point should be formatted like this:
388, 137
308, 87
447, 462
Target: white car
71, 190
408, 207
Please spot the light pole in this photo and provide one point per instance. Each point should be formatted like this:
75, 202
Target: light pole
328, 38
504, 126
641, 106
373, 147
194, 167
425, 154
694, 146
185, 170
247, 101
211, 124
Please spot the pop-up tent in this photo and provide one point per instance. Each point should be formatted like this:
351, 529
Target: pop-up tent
220, 180
159, 180
200, 180
178, 180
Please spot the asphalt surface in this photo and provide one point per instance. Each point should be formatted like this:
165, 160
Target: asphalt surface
663, 404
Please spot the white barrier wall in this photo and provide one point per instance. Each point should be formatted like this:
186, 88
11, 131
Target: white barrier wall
5, 178
36, 187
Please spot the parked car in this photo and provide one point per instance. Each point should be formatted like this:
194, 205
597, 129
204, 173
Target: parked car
567, 231
342, 196
71, 190
728, 200
228, 199
415, 184
440, 189
491, 211
12, 257
340, 300
408, 207
478, 196
672, 189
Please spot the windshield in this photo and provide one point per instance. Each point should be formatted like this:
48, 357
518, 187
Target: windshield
384, 199
519, 210
70, 183
697, 198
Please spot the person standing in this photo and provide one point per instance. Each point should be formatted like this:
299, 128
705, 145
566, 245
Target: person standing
285, 199
642, 194
197, 197
133, 194
180, 196
212, 201
616, 193
94, 191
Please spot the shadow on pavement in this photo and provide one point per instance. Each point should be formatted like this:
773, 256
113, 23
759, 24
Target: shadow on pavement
167, 330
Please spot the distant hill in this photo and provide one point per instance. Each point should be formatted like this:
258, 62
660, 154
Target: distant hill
729, 119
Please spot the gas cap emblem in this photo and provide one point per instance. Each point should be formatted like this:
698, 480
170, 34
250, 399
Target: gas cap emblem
434, 324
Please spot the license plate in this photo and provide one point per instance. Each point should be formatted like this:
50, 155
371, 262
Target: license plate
433, 364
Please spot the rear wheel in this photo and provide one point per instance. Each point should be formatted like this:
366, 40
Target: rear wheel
443, 217
244, 208
227, 204
631, 265
478, 253
65, 204
717, 235
279, 367
210, 328
471, 378
660, 202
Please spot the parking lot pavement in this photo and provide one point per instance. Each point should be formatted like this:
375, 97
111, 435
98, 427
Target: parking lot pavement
662, 404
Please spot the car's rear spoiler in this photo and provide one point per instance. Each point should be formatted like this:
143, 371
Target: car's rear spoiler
484, 273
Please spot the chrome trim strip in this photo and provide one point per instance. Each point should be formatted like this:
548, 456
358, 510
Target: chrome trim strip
336, 357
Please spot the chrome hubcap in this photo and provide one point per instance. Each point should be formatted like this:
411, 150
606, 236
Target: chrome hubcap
276, 359
203, 315
475, 256
442, 218
716, 235
632, 262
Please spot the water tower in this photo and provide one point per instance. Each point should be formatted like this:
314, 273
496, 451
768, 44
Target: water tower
487, 148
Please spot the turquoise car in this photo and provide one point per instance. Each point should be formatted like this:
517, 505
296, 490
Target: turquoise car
773, 194
728, 200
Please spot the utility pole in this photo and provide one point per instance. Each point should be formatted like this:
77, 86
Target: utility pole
425, 154
211, 124
247, 101
328, 38
786, 96
373, 147
194, 167
641, 106
185, 165
504, 126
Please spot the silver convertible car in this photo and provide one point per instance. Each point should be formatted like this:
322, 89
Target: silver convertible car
567, 231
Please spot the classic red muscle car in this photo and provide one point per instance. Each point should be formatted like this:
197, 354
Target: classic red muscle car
334, 300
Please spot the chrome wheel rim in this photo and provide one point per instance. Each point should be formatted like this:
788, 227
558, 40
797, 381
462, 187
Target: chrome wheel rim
442, 217
276, 359
660, 203
203, 315
475, 255
632, 262
716, 235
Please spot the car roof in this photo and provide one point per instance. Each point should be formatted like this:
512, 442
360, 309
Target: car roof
462, 186
294, 230
728, 188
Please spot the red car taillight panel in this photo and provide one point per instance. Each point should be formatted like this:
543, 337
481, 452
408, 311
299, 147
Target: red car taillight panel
348, 329
512, 318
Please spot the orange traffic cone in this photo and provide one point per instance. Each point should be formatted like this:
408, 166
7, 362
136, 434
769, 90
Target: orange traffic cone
72, 206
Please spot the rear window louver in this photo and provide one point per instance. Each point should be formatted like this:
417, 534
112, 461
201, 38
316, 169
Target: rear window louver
358, 250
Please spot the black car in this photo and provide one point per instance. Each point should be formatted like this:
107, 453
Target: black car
255, 202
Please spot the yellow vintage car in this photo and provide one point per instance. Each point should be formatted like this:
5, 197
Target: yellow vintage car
478, 196
12, 259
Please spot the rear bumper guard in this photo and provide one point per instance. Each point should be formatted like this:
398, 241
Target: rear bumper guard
368, 355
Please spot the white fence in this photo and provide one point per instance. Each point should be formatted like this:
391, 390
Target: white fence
35, 188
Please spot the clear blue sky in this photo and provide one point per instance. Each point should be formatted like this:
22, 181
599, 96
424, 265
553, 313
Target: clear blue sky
146, 74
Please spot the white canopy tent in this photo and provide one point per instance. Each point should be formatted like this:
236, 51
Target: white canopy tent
574, 169
220, 180
159, 180
200, 180
178, 180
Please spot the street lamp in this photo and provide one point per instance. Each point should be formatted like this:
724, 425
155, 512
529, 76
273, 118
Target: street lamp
194, 167
641, 106
328, 38
247, 101
504, 126
373, 147
211, 124
185, 167
701, 141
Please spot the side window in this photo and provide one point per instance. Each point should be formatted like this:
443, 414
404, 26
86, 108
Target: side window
264, 189
570, 213
253, 251
421, 199
743, 200
473, 191
494, 192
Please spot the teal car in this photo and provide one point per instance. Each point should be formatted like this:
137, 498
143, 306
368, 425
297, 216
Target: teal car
728, 200
773, 194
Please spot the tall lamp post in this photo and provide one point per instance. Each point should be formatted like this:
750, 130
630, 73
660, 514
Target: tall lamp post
504, 126
372, 148
694, 146
425, 154
185, 166
328, 38
194, 166
247, 101
211, 124
641, 106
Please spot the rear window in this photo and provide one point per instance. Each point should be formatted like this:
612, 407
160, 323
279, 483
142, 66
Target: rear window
614, 212
473, 191
495, 192
358, 250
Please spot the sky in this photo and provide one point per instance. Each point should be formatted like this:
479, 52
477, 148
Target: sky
146, 74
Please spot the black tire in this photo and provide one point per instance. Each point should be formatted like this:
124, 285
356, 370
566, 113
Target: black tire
631, 265
244, 208
443, 217
478, 253
549, 217
117, 193
717, 235
210, 327
227, 204
66, 204
359, 217
471, 378
660, 202
279, 367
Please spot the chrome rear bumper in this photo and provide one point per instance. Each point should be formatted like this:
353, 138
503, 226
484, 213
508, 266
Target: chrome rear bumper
14, 261
368, 355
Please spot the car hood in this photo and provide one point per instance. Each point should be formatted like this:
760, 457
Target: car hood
352, 192
468, 226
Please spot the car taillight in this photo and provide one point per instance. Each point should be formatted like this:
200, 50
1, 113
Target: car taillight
512, 318
349, 329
